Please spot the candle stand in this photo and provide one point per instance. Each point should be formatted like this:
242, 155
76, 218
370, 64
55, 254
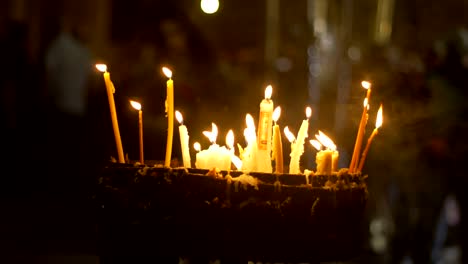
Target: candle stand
165, 213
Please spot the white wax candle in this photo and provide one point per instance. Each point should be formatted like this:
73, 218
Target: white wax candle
298, 150
264, 133
215, 156
249, 155
184, 141
324, 162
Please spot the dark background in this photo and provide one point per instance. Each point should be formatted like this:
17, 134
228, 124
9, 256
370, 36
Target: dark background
221, 65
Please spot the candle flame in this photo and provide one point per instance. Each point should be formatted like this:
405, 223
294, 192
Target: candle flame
101, 67
308, 112
379, 120
268, 92
237, 162
366, 84
366, 103
276, 114
250, 121
179, 117
167, 72
316, 144
197, 146
135, 105
250, 135
230, 139
213, 134
325, 140
289, 135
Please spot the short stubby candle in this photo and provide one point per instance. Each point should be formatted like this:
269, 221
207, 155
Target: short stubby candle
326, 159
215, 156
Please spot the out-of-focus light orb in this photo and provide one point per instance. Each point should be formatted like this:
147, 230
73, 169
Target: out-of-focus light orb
209, 6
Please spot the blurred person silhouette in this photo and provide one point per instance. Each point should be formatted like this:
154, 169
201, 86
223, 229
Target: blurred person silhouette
68, 68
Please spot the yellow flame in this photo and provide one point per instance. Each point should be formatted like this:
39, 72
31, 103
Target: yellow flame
135, 105
325, 140
379, 120
366, 84
289, 135
197, 146
268, 92
101, 67
167, 72
308, 112
213, 134
365, 103
249, 135
250, 121
316, 144
276, 113
179, 117
230, 139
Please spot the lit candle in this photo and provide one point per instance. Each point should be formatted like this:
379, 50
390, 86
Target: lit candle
277, 153
215, 156
170, 115
292, 139
378, 124
137, 106
230, 146
110, 96
249, 154
327, 159
184, 140
298, 150
361, 128
264, 133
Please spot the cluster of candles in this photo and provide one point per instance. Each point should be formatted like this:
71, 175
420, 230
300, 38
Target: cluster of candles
264, 143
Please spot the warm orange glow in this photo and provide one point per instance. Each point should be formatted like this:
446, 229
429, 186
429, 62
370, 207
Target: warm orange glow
289, 135
101, 67
308, 112
197, 146
276, 114
135, 105
316, 144
379, 120
230, 139
366, 84
179, 117
325, 140
268, 92
167, 72
366, 102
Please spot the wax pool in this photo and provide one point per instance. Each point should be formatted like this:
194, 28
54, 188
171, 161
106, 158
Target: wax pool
214, 157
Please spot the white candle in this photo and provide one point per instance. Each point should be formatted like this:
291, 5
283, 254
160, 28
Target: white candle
137, 106
249, 162
215, 156
184, 140
296, 153
277, 151
292, 139
327, 159
230, 145
264, 133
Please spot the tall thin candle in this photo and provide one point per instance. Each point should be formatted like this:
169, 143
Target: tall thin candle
277, 154
378, 124
361, 129
137, 106
184, 140
110, 95
170, 115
